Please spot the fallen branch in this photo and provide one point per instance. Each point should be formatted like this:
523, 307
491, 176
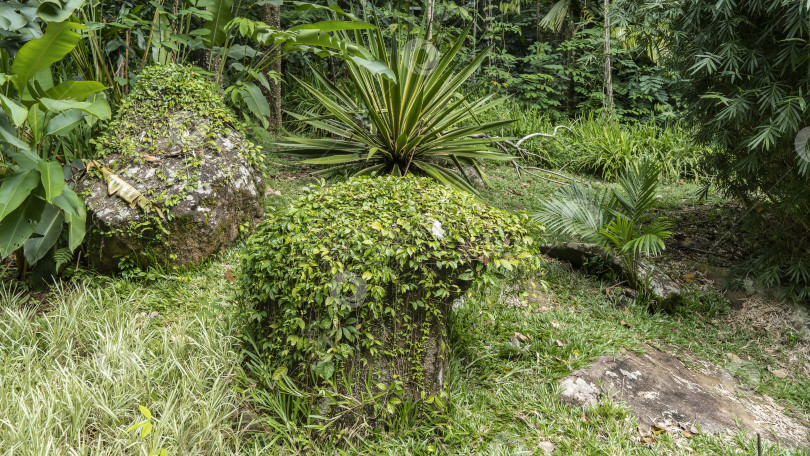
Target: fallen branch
545, 135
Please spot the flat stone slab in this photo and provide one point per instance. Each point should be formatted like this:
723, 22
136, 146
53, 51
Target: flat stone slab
663, 393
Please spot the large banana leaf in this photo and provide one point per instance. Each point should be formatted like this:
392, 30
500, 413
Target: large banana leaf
59, 39
221, 12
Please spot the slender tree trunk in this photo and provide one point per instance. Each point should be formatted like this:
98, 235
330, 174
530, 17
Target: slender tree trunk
271, 15
430, 11
537, 17
571, 101
608, 101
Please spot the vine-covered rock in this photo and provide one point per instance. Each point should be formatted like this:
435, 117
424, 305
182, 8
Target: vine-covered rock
351, 286
176, 179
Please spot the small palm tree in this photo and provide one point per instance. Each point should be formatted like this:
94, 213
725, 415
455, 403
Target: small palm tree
619, 220
405, 115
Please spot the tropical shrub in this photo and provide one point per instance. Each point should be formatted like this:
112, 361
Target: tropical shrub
37, 115
748, 90
359, 278
402, 114
619, 219
605, 148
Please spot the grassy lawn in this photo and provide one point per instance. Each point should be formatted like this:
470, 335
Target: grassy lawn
78, 361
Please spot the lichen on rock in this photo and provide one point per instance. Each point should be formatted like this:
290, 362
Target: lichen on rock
175, 142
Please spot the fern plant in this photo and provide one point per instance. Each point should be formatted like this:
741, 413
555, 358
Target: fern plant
620, 220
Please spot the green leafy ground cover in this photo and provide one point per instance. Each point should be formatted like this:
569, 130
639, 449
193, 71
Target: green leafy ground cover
78, 361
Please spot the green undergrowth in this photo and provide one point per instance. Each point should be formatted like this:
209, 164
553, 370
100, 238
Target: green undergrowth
79, 361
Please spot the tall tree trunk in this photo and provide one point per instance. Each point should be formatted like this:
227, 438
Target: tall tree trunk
430, 11
608, 101
271, 15
537, 18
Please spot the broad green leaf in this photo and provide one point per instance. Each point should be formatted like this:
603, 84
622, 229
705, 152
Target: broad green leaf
254, 99
145, 412
221, 11
54, 105
10, 20
36, 122
9, 136
97, 109
25, 158
15, 111
70, 202
49, 228
52, 177
15, 229
76, 230
15, 189
19, 225
75, 90
59, 39
55, 11
64, 122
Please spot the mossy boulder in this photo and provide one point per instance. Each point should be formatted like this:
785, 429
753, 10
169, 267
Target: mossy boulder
349, 289
189, 165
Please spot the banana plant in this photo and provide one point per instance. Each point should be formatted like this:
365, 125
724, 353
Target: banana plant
36, 204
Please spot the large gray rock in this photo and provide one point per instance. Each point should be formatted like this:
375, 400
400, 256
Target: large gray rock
205, 188
664, 394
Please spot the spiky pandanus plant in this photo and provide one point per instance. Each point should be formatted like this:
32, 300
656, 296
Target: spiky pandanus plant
411, 119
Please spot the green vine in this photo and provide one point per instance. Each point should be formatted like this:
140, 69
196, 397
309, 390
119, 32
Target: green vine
410, 247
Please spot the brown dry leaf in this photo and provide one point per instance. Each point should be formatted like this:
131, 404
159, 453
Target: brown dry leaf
555, 324
733, 357
626, 311
548, 447
780, 373
150, 158
625, 324
560, 343
522, 337
689, 277
229, 276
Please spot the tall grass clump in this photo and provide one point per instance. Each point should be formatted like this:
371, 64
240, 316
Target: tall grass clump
603, 148
72, 380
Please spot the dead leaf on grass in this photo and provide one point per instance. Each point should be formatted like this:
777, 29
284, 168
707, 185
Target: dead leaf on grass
548, 447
